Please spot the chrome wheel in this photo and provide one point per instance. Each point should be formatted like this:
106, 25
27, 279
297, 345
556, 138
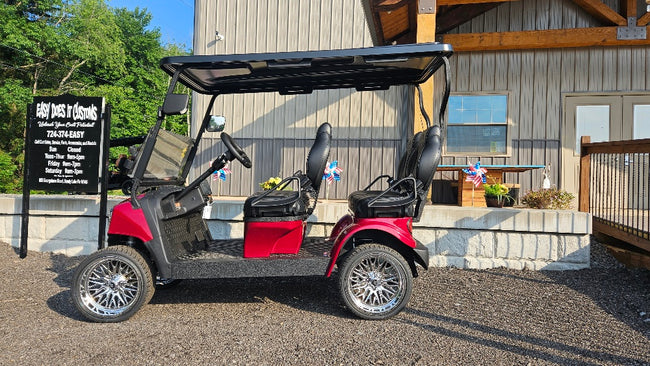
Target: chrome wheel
375, 281
109, 286
112, 284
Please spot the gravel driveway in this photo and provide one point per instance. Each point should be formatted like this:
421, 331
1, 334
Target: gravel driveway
461, 317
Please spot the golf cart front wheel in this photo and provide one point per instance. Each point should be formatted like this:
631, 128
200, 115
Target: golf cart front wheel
375, 281
112, 284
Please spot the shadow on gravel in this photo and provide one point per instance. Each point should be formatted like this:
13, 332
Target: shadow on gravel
64, 268
512, 341
314, 294
621, 292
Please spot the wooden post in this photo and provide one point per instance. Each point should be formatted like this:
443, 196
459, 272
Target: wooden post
426, 32
585, 170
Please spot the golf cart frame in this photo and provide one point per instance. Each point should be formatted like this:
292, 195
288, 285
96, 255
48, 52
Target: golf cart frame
159, 235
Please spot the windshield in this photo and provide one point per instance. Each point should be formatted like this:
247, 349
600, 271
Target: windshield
168, 157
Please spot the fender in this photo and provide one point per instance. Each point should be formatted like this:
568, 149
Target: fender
397, 227
129, 221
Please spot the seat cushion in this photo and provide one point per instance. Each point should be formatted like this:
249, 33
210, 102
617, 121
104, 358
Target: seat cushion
275, 204
391, 204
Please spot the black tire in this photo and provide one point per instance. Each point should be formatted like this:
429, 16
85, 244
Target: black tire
112, 284
375, 281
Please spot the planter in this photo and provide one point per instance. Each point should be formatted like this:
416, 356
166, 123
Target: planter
494, 201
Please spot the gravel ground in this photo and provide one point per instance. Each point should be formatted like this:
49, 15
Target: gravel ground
461, 317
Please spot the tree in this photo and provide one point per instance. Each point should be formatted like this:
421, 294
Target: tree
82, 47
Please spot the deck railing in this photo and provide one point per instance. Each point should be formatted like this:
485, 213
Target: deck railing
615, 188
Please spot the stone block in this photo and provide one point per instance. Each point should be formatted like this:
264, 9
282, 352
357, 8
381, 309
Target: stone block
563, 266
512, 245
461, 243
67, 228
575, 248
446, 261
315, 230
12, 226
425, 236
36, 228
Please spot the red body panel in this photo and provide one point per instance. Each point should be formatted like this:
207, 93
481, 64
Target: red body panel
262, 239
129, 221
348, 226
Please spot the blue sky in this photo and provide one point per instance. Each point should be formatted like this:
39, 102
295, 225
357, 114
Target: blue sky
175, 18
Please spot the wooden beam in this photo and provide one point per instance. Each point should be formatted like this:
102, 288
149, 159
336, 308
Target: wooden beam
601, 12
644, 20
525, 40
461, 2
461, 14
628, 8
585, 174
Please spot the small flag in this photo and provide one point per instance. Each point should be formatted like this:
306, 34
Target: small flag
332, 172
476, 174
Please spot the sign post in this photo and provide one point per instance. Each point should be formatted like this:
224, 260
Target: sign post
66, 149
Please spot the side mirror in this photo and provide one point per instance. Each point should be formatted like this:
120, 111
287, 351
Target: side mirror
175, 104
216, 124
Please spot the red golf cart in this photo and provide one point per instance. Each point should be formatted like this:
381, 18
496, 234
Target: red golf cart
159, 236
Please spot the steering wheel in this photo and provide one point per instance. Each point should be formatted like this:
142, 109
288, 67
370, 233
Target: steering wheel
236, 150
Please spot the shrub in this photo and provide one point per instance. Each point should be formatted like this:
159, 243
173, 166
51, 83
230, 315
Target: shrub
554, 199
8, 181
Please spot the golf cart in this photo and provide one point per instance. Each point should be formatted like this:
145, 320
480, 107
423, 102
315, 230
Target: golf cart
159, 236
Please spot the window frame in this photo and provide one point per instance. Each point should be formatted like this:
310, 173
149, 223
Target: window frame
507, 124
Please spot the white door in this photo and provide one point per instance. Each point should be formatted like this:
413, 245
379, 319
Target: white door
603, 118
595, 116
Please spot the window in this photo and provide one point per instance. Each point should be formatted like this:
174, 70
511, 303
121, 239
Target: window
477, 124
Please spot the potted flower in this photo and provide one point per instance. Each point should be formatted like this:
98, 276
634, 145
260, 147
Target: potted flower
496, 194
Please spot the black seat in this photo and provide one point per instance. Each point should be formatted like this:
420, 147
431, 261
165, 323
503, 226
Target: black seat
407, 193
301, 203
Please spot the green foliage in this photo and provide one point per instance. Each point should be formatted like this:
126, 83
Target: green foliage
81, 47
554, 199
8, 178
496, 190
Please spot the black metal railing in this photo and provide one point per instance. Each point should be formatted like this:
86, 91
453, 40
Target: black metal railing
615, 188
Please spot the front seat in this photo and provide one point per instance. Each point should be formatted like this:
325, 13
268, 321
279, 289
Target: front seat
301, 202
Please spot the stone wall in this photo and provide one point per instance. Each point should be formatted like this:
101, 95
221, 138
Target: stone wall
462, 237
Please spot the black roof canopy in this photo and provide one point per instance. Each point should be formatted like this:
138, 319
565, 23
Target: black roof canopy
302, 72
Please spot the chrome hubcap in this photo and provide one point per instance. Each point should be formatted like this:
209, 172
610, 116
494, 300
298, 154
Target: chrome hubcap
109, 286
376, 285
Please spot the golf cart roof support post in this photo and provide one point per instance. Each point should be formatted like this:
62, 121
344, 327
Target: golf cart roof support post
172, 82
143, 161
199, 135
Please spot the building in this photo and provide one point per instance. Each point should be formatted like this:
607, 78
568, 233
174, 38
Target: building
529, 78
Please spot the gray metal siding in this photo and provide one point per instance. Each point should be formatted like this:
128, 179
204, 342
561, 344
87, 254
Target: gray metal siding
369, 128
535, 80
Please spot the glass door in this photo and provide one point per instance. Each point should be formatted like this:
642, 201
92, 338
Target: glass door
598, 117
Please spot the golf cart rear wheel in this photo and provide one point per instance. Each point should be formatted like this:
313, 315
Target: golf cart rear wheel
112, 284
375, 281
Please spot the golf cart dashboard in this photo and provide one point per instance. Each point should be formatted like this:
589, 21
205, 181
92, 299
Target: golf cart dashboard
373, 68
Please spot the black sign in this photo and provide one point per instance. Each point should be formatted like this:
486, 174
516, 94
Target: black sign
65, 143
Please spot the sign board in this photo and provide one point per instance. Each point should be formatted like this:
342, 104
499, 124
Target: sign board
65, 143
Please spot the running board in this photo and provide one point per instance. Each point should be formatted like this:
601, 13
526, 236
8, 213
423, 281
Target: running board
224, 259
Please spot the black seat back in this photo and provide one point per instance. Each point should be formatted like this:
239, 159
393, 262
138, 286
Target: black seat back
317, 157
427, 165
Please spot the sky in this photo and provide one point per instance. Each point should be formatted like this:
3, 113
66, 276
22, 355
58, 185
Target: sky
175, 18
